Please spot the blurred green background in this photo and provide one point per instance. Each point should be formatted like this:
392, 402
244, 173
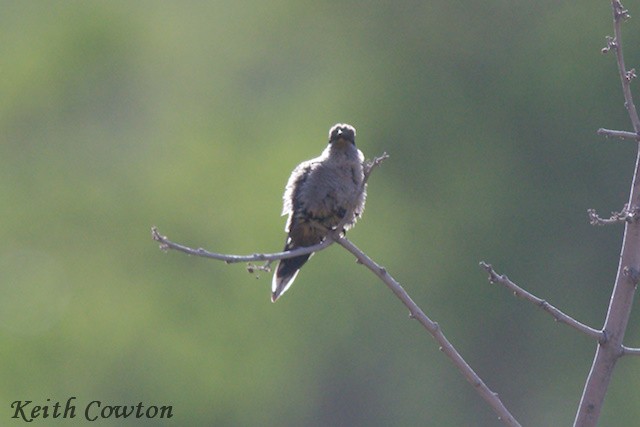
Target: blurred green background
116, 116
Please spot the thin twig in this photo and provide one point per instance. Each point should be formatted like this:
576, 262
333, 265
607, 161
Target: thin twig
166, 244
625, 215
630, 351
620, 134
368, 167
434, 329
558, 315
620, 14
595, 219
372, 164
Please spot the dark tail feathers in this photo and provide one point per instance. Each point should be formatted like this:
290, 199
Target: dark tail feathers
286, 273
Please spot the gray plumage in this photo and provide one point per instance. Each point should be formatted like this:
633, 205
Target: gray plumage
319, 193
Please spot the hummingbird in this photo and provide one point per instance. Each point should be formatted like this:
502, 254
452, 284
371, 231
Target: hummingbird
319, 194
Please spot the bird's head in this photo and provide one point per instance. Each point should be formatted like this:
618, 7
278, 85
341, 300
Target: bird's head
342, 133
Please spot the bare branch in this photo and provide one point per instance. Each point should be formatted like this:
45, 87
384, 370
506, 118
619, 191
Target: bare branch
558, 315
621, 134
166, 244
371, 165
622, 297
629, 351
625, 215
620, 14
594, 219
335, 235
434, 329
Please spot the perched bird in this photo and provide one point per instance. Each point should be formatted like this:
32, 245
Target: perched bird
319, 194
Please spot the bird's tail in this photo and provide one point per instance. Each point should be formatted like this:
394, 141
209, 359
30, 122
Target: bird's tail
286, 273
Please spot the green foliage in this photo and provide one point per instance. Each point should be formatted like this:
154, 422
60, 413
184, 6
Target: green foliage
117, 116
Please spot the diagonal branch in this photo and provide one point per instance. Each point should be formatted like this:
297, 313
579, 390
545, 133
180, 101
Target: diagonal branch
558, 315
434, 329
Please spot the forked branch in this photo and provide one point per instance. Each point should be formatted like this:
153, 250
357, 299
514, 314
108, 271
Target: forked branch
336, 236
621, 301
